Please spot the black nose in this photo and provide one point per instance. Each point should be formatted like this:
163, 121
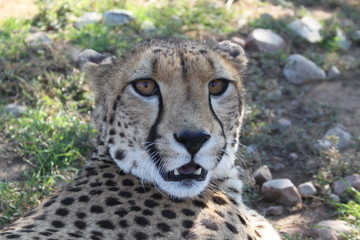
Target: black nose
192, 140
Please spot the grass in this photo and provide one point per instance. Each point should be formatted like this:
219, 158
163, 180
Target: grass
54, 136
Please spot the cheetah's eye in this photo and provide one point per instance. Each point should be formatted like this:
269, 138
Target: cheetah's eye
146, 87
218, 86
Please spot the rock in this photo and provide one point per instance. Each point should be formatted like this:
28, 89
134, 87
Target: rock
333, 73
340, 186
344, 138
332, 230
239, 41
265, 40
148, 27
278, 166
16, 110
293, 156
307, 189
281, 190
285, 122
342, 40
307, 28
311, 164
274, 211
356, 36
116, 17
334, 197
299, 70
262, 175
88, 18
39, 41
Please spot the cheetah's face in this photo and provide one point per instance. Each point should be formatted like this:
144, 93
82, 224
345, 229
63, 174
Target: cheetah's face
170, 112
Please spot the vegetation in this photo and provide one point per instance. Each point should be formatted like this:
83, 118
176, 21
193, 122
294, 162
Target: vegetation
54, 136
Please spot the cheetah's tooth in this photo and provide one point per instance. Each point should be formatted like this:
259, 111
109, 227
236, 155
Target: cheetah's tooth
176, 172
198, 172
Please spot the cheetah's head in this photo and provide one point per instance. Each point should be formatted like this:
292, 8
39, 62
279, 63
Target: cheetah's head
170, 111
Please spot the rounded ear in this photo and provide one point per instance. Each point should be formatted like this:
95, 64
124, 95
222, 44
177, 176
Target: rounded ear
233, 52
97, 67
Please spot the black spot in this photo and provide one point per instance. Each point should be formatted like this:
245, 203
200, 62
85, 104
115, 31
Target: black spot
135, 209
74, 189
220, 214
108, 175
128, 182
188, 212
84, 198
188, 224
202, 51
104, 166
123, 223
119, 155
82, 183
249, 238
125, 194
141, 236
114, 189
46, 233
147, 212
13, 236
81, 215
28, 214
97, 233
121, 212
29, 226
231, 227
209, 224
80, 224
67, 201
258, 234
96, 209
92, 237
40, 217
157, 50
112, 131
95, 184
242, 220
110, 201
200, 204
235, 53
104, 119
49, 203
150, 203
106, 224
188, 235
57, 224
112, 118
157, 196
168, 214
95, 192
219, 200
163, 227
62, 212
111, 141
75, 235
142, 221
122, 134
142, 189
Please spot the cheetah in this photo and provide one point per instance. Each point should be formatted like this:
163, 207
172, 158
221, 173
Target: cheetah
168, 114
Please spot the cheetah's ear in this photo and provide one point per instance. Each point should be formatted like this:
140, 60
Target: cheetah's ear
232, 51
96, 66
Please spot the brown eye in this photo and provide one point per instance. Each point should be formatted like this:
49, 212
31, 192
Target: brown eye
146, 87
218, 86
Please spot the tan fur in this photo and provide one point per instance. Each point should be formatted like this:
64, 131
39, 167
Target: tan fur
122, 194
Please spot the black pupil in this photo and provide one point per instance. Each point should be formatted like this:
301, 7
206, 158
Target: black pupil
146, 84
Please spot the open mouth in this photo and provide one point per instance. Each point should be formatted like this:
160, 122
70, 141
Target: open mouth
190, 171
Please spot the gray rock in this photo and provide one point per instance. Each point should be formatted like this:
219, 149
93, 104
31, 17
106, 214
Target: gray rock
264, 40
311, 164
307, 189
344, 138
356, 36
39, 41
340, 186
285, 122
148, 27
333, 73
88, 18
343, 42
116, 17
281, 190
293, 156
278, 166
332, 230
262, 175
307, 28
299, 70
334, 197
16, 110
274, 211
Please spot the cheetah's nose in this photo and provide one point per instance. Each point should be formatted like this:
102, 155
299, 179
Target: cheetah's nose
192, 140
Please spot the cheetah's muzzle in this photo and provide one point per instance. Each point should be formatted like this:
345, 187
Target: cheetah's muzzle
190, 171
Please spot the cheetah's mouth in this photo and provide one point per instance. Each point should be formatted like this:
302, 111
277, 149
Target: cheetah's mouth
190, 171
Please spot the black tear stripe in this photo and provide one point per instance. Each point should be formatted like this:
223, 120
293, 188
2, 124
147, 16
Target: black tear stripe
222, 130
184, 70
154, 65
153, 151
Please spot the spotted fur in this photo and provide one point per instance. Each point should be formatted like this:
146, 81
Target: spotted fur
123, 192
